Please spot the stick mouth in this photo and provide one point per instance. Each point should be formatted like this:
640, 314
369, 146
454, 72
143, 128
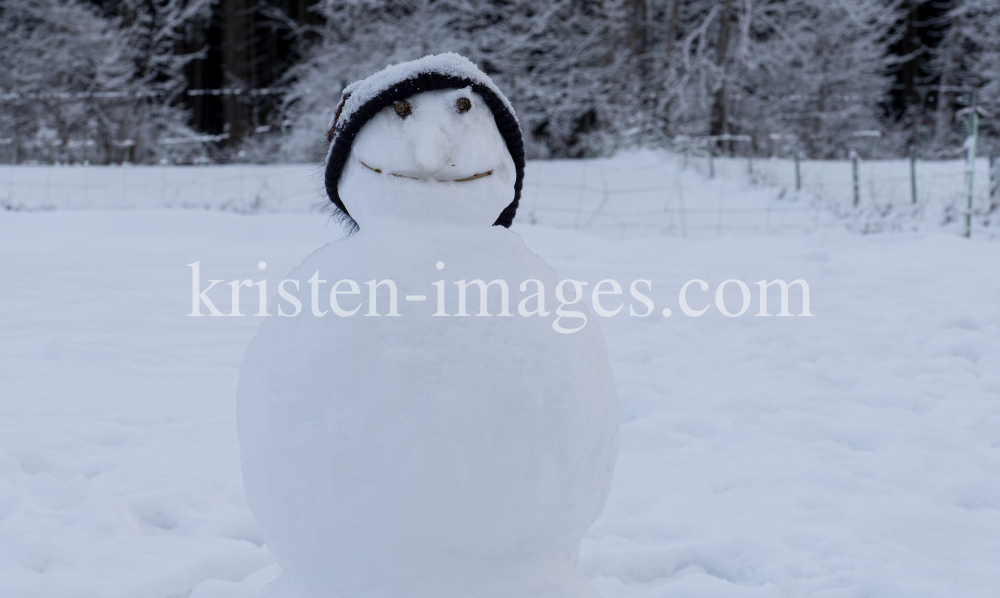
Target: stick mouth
413, 178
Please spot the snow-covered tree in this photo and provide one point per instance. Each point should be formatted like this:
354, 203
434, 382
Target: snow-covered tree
813, 69
968, 68
581, 72
69, 76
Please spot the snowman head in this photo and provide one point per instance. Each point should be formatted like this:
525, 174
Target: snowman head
431, 141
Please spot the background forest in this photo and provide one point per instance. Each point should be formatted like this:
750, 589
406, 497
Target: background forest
257, 80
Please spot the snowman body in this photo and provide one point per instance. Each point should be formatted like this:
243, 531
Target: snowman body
425, 455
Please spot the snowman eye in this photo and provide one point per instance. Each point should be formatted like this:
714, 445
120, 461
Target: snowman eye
402, 108
463, 105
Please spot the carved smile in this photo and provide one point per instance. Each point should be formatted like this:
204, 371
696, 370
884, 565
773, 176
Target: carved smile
413, 178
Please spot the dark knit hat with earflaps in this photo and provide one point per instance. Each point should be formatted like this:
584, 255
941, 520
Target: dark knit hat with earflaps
364, 99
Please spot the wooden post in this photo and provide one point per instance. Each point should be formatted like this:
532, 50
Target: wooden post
854, 177
920, 132
10, 183
798, 172
203, 162
994, 177
48, 172
913, 179
125, 164
164, 160
242, 155
86, 171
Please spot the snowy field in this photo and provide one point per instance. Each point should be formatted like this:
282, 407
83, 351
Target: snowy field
852, 454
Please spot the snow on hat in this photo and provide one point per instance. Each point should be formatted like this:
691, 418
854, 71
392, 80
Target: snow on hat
363, 99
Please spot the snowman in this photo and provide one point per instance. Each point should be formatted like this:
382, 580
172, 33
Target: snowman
419, 435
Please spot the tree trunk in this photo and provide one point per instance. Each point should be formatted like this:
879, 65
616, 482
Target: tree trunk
719, 124
237, 63
945, 109
638, 38
675, 10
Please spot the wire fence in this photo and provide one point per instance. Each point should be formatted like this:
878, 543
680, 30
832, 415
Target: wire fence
690, 195
639, 192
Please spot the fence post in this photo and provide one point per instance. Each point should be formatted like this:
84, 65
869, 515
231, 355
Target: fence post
48, 171
242, 155
281, 168
798, 172
164, 161
86, 171
204, 162
920, 133
10, 183
994, 177
583, 186
913, 179
125, 164
974, 138
854, 176
711, 163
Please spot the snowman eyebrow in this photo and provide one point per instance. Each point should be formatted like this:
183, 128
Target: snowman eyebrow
378, 170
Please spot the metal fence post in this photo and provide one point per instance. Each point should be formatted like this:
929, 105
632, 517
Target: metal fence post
913, 179
974, 138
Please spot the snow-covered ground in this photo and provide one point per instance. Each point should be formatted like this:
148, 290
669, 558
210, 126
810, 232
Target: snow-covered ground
854, 453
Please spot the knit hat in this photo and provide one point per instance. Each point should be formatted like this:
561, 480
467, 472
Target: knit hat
363, 99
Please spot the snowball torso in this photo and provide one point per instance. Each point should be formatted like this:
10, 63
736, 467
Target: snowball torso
421, 455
